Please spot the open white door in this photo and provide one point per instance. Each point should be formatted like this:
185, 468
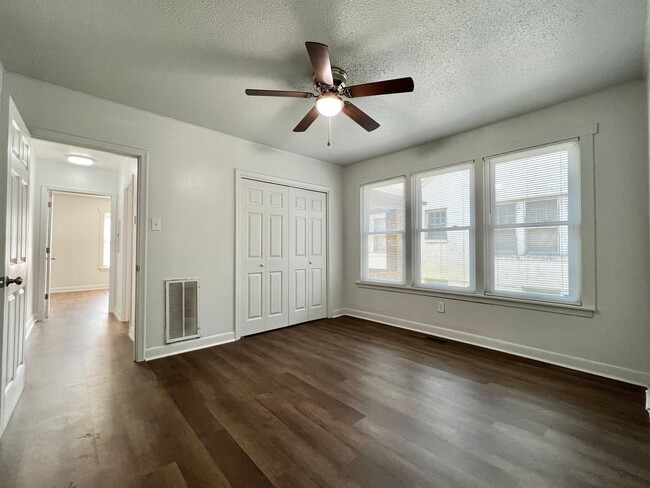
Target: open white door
48, 254
14, 310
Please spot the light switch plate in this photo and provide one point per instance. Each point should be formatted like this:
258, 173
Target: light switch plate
441, 307
156, 224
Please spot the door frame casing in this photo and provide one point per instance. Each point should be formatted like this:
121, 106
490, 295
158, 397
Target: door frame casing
39, 304
142, 157
264, 178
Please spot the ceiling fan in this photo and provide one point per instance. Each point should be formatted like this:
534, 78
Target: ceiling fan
330, 87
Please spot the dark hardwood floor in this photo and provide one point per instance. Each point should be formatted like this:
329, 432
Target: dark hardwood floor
339, 403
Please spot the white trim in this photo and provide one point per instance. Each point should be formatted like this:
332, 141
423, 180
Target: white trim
463, 296
30, 326
339, 312
118, 313
67, 289
187, 346
142, 156
611, 371
241, 175
647, 399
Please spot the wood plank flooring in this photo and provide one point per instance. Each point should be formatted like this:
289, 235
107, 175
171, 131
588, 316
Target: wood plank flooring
339, 403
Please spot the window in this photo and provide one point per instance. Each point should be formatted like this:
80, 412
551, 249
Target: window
105, 252
534, 224
535, 228
436, 219
445, 256
383, 231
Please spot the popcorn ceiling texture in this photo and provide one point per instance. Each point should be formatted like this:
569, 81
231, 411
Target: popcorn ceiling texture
473, 62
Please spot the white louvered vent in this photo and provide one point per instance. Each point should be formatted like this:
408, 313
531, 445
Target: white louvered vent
182, 320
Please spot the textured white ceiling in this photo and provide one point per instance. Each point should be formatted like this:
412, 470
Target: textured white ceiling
473, 61
54, 151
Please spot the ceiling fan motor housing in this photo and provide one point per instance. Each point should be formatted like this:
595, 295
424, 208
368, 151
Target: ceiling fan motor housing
340, 78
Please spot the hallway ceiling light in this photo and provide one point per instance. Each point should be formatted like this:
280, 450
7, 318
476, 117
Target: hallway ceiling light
81, 160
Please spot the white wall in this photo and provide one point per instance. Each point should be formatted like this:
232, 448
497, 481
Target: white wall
54, 174
191, 188
615, 341
77, 231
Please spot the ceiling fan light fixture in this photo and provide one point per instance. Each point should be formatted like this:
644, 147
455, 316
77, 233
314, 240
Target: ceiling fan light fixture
80, 160
329, 105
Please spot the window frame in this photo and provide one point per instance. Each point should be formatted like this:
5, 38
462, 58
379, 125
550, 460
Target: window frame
574, 261
365, 233
415, 231
585, 135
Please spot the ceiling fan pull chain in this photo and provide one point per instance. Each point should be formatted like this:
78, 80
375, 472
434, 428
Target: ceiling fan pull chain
329, 134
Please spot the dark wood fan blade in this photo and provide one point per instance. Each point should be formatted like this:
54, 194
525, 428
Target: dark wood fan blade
399, 85
278, 93
307, 120
319, 55
360, 117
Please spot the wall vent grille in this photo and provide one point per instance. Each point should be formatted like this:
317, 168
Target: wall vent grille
182, 306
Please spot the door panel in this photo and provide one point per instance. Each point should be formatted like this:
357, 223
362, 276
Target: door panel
251, 251
255, 295
298, 256
300, 290
318, 256
255, 235
264, 264
14, 313
277, 258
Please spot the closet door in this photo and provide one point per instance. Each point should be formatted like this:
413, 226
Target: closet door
299, 248
317, 276
277, 256
264, 257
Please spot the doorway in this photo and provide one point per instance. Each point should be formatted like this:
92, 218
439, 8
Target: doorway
79, 242
87, 229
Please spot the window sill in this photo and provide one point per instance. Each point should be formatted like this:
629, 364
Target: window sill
567, 309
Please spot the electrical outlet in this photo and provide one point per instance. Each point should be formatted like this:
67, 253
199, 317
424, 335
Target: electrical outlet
441, 307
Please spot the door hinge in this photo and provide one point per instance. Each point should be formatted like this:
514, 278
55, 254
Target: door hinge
137, 268
47, 250
49, 204
47, 296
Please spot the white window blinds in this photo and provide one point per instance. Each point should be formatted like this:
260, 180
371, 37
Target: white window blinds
444, 240
383, 223
534, 224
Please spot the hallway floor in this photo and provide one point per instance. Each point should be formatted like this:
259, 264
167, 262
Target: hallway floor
337, 403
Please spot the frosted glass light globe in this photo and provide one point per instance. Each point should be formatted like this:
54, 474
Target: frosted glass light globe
329, 105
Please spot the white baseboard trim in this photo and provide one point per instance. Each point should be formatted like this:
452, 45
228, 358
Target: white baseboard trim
187, 346
29, 327
647, 400
67, 289
338, 312
611, 371
118, 313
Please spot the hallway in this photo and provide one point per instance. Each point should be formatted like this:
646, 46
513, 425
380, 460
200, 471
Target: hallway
79, 374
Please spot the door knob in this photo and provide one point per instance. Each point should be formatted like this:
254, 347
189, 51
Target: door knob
18, 280
261, 265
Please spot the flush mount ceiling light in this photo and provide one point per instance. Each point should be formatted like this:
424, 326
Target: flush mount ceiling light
80, 160
330, 86
329, 105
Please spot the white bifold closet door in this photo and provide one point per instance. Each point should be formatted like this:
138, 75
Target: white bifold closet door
307, 256
264, 254
282, 249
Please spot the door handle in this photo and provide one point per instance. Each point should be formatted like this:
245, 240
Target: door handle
261, 265
18, 280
